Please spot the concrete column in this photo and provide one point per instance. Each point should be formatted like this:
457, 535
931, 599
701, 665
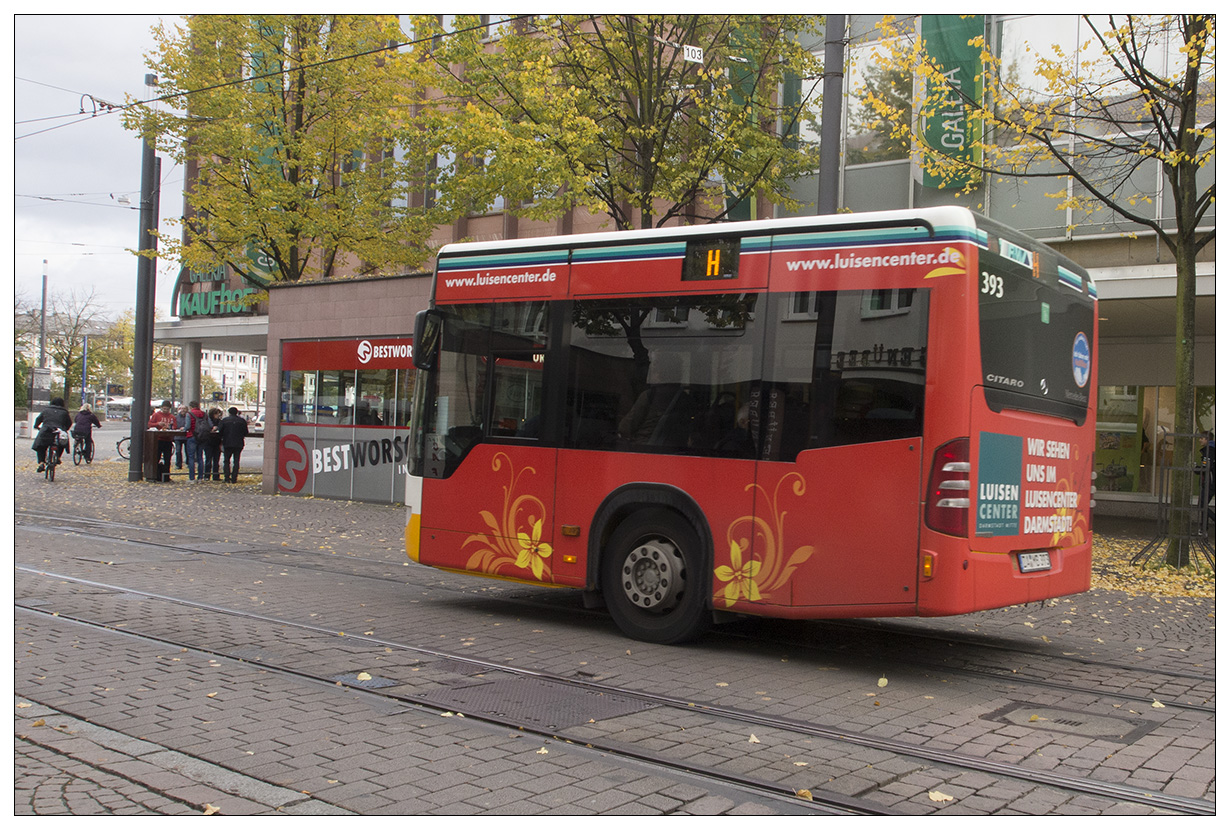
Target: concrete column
190, 360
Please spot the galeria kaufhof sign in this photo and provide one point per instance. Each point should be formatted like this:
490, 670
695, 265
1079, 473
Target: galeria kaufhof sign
210, 294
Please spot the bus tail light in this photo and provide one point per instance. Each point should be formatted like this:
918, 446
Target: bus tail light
948, 489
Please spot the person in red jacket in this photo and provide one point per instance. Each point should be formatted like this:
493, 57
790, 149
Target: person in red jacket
164, 418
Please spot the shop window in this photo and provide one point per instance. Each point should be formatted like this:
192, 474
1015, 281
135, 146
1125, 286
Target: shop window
335, 400
1132, 422
298, 397
376, 398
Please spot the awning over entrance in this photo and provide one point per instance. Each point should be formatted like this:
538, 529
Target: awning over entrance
248, 335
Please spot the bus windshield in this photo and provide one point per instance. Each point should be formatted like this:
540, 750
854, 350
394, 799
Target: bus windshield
1036, 329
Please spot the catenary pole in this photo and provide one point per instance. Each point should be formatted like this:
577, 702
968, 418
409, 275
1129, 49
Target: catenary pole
143, 324
831, 113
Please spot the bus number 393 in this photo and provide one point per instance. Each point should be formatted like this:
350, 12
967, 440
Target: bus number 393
992, 285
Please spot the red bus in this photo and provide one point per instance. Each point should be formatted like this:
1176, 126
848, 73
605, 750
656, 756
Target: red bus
862, 415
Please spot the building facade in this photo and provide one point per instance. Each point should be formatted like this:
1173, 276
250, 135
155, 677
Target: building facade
1135, 275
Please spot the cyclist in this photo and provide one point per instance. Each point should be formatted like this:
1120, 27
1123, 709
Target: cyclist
54, 417
83, 427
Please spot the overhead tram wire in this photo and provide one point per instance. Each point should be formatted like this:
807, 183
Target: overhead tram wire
114, 108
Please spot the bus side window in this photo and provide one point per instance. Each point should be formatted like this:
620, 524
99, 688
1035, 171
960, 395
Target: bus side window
516, 391
853, 373
516, 361
664, 374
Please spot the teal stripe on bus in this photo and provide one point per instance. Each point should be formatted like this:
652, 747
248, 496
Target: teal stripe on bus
877, 236
1070, 279
504, 260
659, 250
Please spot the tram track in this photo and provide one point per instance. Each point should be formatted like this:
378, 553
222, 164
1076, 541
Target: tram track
814, 800
904, 650
725, 714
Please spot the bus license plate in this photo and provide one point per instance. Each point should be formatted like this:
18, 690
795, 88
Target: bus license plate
1034, 561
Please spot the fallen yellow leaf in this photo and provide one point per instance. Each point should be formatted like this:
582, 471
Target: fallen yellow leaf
936, 795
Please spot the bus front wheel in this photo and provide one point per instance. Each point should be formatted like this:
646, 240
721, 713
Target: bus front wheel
653, 578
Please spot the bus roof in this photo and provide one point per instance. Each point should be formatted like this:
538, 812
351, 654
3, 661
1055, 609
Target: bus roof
949, 217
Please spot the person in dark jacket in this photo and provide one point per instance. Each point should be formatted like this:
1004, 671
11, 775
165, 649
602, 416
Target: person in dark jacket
83, 424
213, 445
54, 417
233, 429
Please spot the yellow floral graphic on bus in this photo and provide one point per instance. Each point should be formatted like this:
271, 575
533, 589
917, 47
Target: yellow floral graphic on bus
758, 562
532, 552
739, 576
515, 541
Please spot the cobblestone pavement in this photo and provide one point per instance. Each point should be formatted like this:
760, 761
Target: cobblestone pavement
109, 723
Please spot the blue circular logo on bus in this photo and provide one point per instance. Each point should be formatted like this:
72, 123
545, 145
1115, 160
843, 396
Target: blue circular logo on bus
1082, 359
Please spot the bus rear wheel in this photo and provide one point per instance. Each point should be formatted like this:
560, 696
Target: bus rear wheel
653, 578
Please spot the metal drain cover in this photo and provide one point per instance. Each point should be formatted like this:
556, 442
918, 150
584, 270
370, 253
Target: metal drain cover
1073, 722
542, 702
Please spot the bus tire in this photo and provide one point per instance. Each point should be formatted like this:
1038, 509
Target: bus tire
653, 578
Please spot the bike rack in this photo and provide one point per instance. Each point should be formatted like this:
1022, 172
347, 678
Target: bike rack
1194, 519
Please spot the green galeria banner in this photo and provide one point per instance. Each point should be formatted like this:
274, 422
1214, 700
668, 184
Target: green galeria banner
950, 128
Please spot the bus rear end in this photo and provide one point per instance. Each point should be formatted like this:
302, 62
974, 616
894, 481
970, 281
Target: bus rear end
1007, 501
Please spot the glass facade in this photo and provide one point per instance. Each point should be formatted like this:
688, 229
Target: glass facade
1132, 423
344, 411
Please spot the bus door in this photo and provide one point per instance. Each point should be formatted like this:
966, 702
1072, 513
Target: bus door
488, 506
840, 467
840, 478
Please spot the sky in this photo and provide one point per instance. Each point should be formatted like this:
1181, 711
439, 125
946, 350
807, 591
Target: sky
72, 171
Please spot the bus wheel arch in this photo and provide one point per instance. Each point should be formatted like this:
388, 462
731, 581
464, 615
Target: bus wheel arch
653, 552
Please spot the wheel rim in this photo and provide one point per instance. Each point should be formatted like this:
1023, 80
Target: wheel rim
652, 576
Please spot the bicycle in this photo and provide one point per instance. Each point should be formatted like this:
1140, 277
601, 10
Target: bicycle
83, 449
53, 454
121, 446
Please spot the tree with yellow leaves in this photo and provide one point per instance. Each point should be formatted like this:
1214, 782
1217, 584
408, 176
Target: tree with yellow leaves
1134, 97
298, 138
644, 118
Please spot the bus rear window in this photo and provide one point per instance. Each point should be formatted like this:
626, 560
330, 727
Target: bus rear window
1036, 333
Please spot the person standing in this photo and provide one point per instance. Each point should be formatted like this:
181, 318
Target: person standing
83, 424
193, 447
183, 421
233, 430
54, 417
163, 418
213, 446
